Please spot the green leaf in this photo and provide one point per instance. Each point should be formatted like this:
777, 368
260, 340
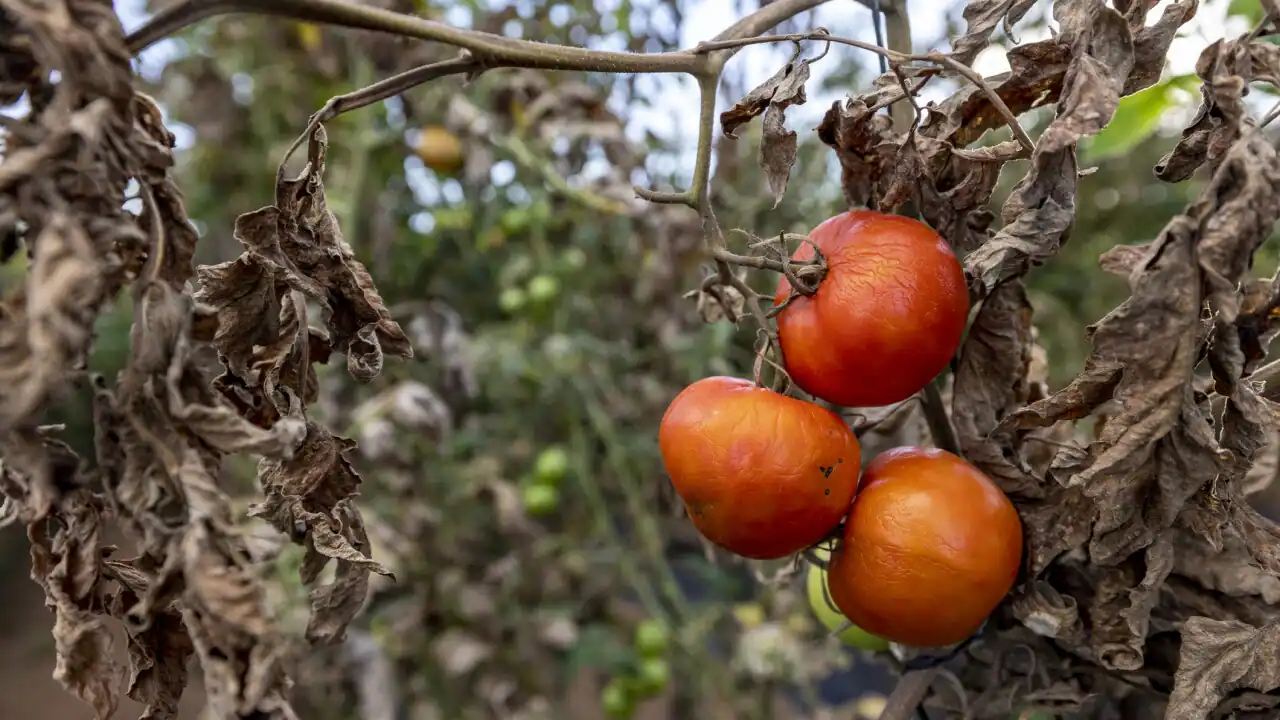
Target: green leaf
1250, 10
1137, 118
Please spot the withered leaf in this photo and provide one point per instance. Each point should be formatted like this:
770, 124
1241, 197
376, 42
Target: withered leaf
1143, 355
1039, 213
296, 244
991, 383
1122, 259
777, 151
1225, 69
308, 498
159, 649
784, 89
772, 98
981, 18
863, 141
1219, 657
66, 563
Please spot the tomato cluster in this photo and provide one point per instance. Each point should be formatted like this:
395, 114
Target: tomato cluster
929, 545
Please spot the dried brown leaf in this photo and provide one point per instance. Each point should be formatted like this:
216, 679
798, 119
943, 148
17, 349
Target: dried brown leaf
863, 141
1219, 657
981, 18
784, 89
1225, 69
777, 151
772, 98
991, 382
66, 563
298, 244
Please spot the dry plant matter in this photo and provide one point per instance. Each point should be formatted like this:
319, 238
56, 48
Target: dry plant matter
1148, 579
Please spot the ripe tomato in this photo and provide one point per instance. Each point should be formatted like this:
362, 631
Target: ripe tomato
887, 318
930, 548
761, 474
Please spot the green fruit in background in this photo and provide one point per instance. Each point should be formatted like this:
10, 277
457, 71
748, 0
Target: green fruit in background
652, 638
543, 288
830, 617
574, 258
551, 465
511, 300
540, 499
653, 675
618, 699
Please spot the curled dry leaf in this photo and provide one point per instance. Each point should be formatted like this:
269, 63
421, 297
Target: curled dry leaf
296, 245
1226, 68
772, 98
981, 19
991, 382
1219, 657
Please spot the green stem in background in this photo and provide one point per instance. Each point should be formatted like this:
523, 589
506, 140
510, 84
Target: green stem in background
358, 183
604, 523
650, 538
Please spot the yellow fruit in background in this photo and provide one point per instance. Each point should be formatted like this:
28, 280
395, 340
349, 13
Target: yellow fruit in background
830, 617
439, 149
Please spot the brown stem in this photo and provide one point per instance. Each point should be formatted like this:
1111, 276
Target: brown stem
935, 415
898, 29
492, 50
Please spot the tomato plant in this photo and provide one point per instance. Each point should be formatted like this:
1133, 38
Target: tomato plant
929, 549
761, 474
886, 319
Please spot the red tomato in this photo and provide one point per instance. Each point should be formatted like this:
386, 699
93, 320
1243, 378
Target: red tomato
887, 318
930, 548
761, 474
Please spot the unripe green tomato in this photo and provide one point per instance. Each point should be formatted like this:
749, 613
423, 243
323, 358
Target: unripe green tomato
653, 675
574, 258
618, 699
540, 499
652, 638
831, 618
551, 466
543, 288
511, 300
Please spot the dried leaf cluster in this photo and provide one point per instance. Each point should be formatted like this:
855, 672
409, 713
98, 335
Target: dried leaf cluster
163, 426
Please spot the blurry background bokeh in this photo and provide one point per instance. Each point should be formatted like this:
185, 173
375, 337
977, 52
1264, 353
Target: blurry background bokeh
512, 478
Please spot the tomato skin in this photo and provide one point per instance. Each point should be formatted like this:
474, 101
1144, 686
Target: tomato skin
930, 548
886, 319
761, 474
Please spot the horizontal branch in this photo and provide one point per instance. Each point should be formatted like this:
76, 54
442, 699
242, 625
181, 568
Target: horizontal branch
487, 48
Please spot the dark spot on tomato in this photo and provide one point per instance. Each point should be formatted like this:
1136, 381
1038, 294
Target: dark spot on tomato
826, 470
827, 491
